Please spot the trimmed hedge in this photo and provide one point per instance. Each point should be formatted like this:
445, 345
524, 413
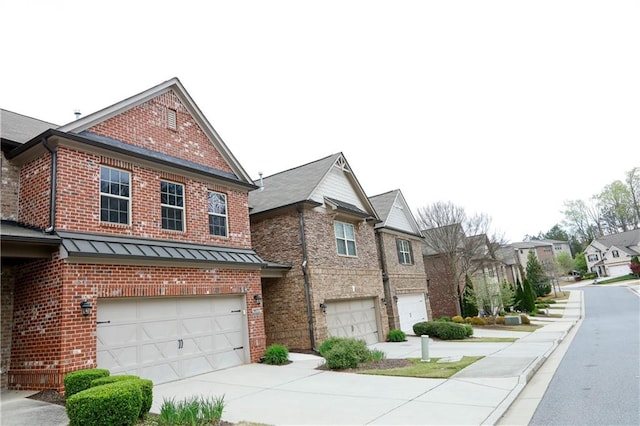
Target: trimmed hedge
146, 387
443, 330
118, 403
80, 380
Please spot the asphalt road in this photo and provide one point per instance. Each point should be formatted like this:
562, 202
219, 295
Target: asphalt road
598, 380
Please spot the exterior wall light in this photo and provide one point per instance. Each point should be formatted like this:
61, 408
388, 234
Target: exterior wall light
395, 299
383, 300
258, 299
324, 308
85, 307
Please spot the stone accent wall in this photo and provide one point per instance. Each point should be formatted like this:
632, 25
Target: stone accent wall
10, 190
56, 339
35, 192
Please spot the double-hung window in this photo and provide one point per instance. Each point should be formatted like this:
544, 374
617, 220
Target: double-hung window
172, 205
345, 238
404, 252
217, 214
115, 195
615, 254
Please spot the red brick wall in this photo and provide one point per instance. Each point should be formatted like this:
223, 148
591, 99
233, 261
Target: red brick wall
56, 339
78, 202
10, 190
146, 126
35, 194
6, 317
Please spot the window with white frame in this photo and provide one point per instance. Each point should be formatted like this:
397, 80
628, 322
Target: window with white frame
592, 258
217, 214
345, 238
115, 195
404, 252
172, 205
615, 253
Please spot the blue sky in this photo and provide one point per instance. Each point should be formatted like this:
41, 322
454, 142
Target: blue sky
507, 108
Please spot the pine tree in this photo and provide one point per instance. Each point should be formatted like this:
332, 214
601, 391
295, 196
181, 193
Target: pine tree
469, 302
536, 276
529, 296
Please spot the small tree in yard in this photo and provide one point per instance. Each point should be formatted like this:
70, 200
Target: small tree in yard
529, 296
518, 302
536, 276
469, 301
635, 266
508, 295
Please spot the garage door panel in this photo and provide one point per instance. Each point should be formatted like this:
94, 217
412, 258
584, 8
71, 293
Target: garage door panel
164, 339
353, 318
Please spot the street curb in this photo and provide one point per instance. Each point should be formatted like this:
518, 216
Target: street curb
529, 372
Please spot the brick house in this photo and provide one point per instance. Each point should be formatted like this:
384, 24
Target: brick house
315, 226
400, 257
140, 213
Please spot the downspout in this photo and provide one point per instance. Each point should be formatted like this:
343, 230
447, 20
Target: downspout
307, 289
385, 274
54, 185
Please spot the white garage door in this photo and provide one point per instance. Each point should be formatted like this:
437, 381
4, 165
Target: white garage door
355, 318
164, 339
411, 309
619, 270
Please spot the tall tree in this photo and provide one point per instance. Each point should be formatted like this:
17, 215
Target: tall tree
581, 262
582, 219
616, 206
556, 233
633, 180
448, 233
535, 275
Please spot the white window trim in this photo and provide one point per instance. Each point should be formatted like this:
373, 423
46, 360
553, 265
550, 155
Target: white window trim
183, 208
345, 239
226, 215
129, 198
406, 253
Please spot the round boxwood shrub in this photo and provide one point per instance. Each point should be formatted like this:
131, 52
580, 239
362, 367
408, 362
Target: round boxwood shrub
396, 336
457, 319
116, 403
524, 319
276, 355
146, 387
80, 380
478, 321
500, 320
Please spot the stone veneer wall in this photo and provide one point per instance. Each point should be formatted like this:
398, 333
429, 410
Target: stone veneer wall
6, 326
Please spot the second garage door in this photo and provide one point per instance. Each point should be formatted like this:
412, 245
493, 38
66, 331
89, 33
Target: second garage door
411, 309
354, 318
165, 339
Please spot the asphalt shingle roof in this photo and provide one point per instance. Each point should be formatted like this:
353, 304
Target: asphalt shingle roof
20, 128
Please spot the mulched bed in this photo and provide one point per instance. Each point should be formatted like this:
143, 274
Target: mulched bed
50, 396
383, 364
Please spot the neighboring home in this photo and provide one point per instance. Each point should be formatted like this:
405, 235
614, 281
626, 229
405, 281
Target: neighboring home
443, 267
510, 265
559, 246
399, 251
610, 256
544, 252
315, 224
125, 245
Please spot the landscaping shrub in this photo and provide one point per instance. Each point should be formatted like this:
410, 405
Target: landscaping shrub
146, 387
478, 321
192, 411
341, 353
276, 355
443, 330
80, 380
377, 355
524, 319
118, 403
467, 320
396, 336
457, 319
444, 319
500, 320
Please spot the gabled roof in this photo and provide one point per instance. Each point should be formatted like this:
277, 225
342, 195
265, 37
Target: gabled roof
531, 244
19, 128
299, 185
29, 131
628, 241
384, 205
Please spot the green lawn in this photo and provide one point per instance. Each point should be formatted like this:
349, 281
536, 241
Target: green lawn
426, 370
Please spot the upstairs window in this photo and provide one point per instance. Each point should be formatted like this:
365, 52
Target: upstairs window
615, 253
345, 238
217, 214
404, 252
115, 195
592, 258
172, 205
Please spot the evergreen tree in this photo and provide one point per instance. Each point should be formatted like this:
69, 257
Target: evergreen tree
519, 296
536, 276
507, 295
469, 302
529, 296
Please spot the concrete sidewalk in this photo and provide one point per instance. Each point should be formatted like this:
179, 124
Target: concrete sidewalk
300, 394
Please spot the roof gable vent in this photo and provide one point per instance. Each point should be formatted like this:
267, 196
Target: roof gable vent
171, 119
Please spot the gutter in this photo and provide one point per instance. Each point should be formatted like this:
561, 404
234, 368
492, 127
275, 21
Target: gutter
307, 289
54, 185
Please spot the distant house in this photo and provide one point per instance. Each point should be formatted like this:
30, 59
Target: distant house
543, 250
315, 225
610, 256
559, 246
125, 245
400, 255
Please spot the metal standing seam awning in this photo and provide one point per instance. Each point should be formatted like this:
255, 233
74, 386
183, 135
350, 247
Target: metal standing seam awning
78, 246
